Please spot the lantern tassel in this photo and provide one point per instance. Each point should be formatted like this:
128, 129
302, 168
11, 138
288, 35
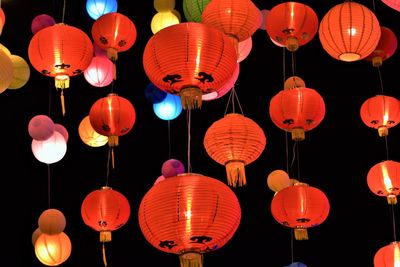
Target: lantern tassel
191, 259
300, 233
191, 98
392, 199
62, 102
104, 255
235, 173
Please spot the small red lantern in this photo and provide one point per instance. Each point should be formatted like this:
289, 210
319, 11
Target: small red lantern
300, 206
189, 215
291, 24
386, 47
189, 59
383, 179
388, 256
381, 112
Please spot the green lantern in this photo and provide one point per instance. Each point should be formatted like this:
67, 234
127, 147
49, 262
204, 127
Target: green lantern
192, 9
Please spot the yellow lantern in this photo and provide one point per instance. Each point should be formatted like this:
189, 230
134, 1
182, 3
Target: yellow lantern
6, 70
52, 250
89, 136
163, 19
164, 5
277, 180
21, 72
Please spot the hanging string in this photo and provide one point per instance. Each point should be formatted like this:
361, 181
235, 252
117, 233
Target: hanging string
382, 93
48, 185
292, 244
104, 255
63, 14
169, 139
298, 160
293, 64
188, 120
108, 164
393, 222
232, 97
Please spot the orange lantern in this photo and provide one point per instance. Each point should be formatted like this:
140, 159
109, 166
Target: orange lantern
189, 59
300, 207
53, 250
291, 24
297, 110
349, 31
89, 136
235, 141
386, 47
381, 112
60, 51
51, 222
238, 19
388, 256
189, 215
383, 179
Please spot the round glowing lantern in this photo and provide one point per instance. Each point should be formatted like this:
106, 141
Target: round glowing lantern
53, 250
51, 222
115, 33
395, 4
297, 110
277, 180
154, 94
41, 21
41, 127
35, 235
291, 24
62, 130
50, 150
172, 167
21, 72
60, 51
189, 59
6, 70
386, 47
5, 50
164, 5
192, 9
264, 14
100, 72
97, 8
234, 141
381, 112
168, 109
300, 207
89, 136
296, 264
2, 19
383, 179
189, 215
388, 256
161, 20
349, 31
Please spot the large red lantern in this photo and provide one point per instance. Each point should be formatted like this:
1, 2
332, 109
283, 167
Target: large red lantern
349, 31
189, 59
189, 215
381, 112
300, 207
383, 179
297, 110
386, 47
388, 256
235, 141
291, 24
60, 51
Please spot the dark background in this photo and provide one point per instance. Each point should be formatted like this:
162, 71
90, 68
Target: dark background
335, 157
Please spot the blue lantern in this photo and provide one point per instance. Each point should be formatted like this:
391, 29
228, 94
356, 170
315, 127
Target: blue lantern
97, 8
169, 108
296, 264
154, 94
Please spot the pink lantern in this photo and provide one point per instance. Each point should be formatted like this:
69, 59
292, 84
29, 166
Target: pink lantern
244, 48
51, 150
100, 72
41, 21
172, 167
62, 130
395, 4
41, 127
225, 88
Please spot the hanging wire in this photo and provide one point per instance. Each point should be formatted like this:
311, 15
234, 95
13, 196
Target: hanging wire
393, 222
169, 139
108, 164
231, 100
188, 120
63, 14
48, 185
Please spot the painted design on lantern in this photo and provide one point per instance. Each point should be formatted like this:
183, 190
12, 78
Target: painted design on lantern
102, 223
105, 127
122, 43
167, 244
200, 239
103, 40
205, 77
387, 123
172, 78
288, 121
392, 190
303, 220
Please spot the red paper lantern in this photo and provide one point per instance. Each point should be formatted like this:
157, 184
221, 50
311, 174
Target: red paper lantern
235, 141
60, 51
383, 179
386, 47
300, 207
291, 24
189, 215
381, 112
189, 59
297, 110
2, 20
388, 256
349, 31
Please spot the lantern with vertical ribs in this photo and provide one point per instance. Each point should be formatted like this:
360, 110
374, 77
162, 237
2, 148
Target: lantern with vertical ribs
386, 47
189, 59
189, 215
381, 112
235, 141
388, 256
300, 207
53, 250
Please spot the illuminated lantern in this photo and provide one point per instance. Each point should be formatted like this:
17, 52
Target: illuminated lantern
161, 20
2, 20
100, 72
6, 70
115, 33
89, 136
21, 72
189, 59
264, 13
154, 94
41, 127
164, 5
395, 4
349, 31
53, 250
383, 179
50, 150
5, 50
62, 130
388, 256
168, 109
35, 235
300, 207
297, 110
189, 215
381, 112
97, 8
41, 21
51, 222
172, 167
238, 19
98, 51
244, 48
296, 264
234, 141
60, 51
291, 24
192, 9
386, 47
277, 180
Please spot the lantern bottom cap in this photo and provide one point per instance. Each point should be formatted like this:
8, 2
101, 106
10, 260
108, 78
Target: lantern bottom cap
349, 57
191, 259
191, 98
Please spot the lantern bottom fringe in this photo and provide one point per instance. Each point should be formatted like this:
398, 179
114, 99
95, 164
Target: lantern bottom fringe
292, 44
62, 102
191, 98
392, 199
383, 131
235, 173
298, 134
191, 259
112, 54
377, 61
105, 236
300, 234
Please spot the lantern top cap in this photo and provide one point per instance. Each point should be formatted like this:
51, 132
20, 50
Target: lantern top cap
112, 94
233, 114
189, 174
106, 188
300, 184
